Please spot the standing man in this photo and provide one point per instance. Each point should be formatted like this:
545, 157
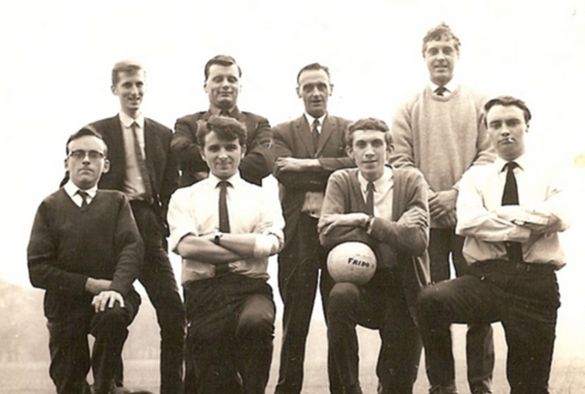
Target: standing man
307, 150
387, 209
142, 168
85, 251
225, 229
222, 85
510, 213
440, 132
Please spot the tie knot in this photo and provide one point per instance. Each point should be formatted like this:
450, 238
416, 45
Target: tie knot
223, 184
371, 187
316, 124
510, 166
134, 125
440, 90
83, 194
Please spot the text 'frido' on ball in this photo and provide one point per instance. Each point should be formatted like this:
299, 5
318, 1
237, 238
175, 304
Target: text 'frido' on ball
353, 262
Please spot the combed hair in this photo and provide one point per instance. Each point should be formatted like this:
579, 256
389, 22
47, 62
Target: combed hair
86, 131
368, 124
125, 66
313, 66
221, 60
438, 33
507, 101
225, 127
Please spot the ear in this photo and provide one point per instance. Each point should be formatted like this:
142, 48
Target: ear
330, 89
298, 90
202, 154
65, 163
349, 151
243, 151
113, 89
106, 166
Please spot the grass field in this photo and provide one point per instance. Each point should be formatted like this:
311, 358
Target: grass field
568, 375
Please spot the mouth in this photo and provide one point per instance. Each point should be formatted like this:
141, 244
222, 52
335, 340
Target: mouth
507, 141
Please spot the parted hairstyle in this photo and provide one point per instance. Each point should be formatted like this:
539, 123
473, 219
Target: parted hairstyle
314, 66
221, 60
125, 66
438, 33
225, 127
507, 101
368, 124
86, 131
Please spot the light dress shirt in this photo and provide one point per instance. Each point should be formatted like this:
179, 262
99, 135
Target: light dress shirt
382, 194
194, 210
450, 86
487, 225
72, 190
133, 182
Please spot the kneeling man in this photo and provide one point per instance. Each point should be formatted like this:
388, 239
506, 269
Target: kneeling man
225, 228
387, 209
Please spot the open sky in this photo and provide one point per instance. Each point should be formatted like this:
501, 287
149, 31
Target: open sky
57, 57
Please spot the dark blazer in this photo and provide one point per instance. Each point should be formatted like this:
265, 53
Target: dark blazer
403, 249
257, 163
294, 139
161, 166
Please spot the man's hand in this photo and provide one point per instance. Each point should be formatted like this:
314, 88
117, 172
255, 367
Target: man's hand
107, 299
415, 217
291, 164
442, 204
328, 222
96, 286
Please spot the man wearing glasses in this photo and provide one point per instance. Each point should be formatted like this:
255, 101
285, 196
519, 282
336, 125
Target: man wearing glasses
85, 251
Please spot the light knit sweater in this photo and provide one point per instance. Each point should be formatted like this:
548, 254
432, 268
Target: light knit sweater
441, 136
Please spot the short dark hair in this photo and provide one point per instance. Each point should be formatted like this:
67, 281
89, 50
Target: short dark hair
368, 124
225, 127
313, 66
507, 101
125, 66
86, 131
438, 33
222, 60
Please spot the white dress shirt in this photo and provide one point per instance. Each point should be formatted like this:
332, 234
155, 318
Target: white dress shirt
72, 190
194, 210
487, 225
382, 194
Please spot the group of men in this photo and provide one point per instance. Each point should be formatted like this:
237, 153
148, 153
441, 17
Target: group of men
448, 181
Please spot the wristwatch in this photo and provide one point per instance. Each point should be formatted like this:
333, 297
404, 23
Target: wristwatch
217, 237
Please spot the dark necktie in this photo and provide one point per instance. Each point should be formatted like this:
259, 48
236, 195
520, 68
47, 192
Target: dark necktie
370, 189
440, 91
315, 133
140, 160
510, 197
84, 197
224, 218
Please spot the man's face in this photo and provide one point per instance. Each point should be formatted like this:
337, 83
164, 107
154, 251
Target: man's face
506, 128
370, 153
223, 86
130, 91
86, 161
314, 88
222, 156
440, 57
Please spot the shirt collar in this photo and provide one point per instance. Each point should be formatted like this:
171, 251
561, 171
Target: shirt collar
450, 86
127, 120
233, 180
233, 113
500, 163
311, 119
378, 183
71, 189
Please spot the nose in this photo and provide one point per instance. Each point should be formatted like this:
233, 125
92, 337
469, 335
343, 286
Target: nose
222, 154
86, 158
369, 152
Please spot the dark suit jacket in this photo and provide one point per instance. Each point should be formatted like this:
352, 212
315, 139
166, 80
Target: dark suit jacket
400, 248
257, 163
161, 166
293, 139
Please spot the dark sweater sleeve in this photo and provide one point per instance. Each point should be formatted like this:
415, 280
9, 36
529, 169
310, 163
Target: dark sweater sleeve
130, 250
258, 161
184, 145
44, 269
406, 239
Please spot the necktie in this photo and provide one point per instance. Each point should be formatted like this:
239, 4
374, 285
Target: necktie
510, 197
84, 196
224, 219
140, 160
440, 91
370, 189
315, 133
224, 112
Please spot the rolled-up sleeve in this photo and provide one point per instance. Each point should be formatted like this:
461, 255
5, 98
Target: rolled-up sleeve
181, 221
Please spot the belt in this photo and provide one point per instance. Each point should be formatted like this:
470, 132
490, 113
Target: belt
509, 266
222, 269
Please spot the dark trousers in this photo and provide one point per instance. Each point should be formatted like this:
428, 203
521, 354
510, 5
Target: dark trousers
298, 293
70, 355
158, 279
479, 340
380, 305
229, 337
524, 297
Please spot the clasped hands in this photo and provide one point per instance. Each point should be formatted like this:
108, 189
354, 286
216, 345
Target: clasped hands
104, 297
442, 207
